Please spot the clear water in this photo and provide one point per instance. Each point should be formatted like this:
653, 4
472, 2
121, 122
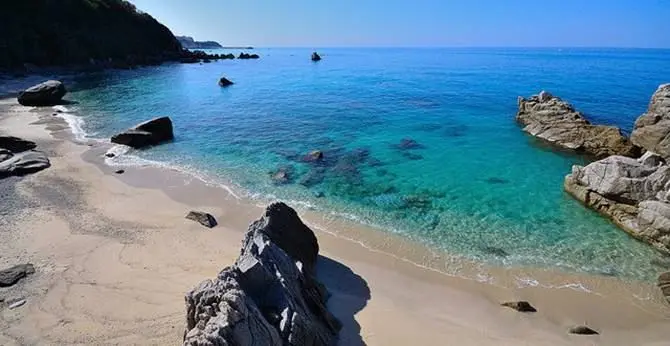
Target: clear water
474, 183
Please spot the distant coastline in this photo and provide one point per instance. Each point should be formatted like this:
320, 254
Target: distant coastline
188, 42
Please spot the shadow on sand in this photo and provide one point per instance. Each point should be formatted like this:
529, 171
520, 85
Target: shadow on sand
349, 295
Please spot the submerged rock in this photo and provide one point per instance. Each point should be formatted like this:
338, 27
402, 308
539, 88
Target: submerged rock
152, 132
521, 306
316, 56
17, 157
652, 129
224, 82
582, 330
283, 175
496, 251
48, 93
203, 218
549, 118
270, 296
313, 156
10, 276
664, 284
407, 144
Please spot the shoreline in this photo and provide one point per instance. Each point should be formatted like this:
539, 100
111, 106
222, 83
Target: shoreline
408, 282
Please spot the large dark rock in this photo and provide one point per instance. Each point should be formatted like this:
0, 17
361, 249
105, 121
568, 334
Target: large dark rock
551, 119
11, 276
270, 296
48, 93
148, 133
316, 56
652, 129
16, 144
17, 157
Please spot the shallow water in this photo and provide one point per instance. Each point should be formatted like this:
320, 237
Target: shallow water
466, 180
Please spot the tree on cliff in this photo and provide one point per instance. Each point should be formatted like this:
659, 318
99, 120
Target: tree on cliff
61, 32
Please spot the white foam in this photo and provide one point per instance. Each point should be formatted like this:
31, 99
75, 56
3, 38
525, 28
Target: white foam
76, 125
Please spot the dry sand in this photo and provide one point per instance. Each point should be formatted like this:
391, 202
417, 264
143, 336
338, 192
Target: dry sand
114, 256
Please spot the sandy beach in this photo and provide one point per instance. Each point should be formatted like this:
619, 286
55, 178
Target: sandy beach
114, 256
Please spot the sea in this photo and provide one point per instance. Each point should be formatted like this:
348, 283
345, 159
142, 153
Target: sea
419, 142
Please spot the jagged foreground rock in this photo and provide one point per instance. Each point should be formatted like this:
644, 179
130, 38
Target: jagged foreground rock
634, 193
556, 121
270, 296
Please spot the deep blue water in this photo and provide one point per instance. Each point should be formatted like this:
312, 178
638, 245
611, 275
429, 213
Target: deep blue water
474, 180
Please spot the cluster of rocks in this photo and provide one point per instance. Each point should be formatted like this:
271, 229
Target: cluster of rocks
248, 56
270, 295
549, 118
633, 191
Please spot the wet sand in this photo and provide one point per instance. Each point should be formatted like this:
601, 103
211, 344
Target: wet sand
114, 256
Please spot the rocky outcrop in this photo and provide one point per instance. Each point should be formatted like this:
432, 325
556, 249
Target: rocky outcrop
652, 129
634, 193
270, 296
664, 284
48, 93
11, 276
18, 158
316, 56
549, 118
152, 132
224, 82
203, 218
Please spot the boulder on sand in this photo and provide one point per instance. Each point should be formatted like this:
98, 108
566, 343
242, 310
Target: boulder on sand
148, 133
664, 284
48, 93
270, 296
203, 218
549, 118
17, 157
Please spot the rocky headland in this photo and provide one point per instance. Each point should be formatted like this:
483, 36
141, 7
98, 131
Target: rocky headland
188, 42
553, 120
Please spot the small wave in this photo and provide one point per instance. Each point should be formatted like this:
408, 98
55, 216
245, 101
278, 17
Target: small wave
74, 122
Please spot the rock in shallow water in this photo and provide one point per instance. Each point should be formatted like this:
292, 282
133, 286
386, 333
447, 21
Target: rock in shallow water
203, 218
152, 132
224, 82
270, 296
48, 93
549, 118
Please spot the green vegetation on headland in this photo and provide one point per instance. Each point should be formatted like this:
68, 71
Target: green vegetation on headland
105, 33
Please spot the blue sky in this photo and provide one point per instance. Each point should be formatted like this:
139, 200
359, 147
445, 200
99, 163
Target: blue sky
407, 23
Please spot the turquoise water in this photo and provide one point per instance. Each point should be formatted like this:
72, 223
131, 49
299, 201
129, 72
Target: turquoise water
473, 184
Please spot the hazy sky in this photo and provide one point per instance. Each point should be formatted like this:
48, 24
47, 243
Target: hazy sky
322, 23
